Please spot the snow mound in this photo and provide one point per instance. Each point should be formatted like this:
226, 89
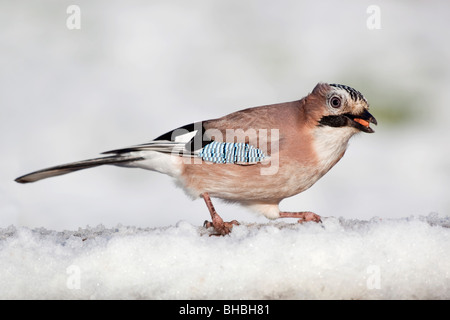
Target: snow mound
339, 259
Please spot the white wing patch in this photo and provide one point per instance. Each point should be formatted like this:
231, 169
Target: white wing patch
185, 138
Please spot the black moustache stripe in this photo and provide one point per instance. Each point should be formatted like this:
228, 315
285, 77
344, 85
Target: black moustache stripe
334, 121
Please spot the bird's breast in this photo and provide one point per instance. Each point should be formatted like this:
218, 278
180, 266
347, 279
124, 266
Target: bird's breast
329, 145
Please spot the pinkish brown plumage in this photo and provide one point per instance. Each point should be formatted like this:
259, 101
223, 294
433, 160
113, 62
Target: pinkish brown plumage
255, 157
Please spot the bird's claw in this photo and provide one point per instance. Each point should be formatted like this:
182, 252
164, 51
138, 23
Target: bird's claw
221, 228
310, 216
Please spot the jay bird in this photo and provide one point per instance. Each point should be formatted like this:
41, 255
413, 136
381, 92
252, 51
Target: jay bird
255, 157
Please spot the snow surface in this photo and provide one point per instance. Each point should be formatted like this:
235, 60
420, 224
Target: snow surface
338, 259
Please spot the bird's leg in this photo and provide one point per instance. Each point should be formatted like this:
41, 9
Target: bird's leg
302, 216
217, 223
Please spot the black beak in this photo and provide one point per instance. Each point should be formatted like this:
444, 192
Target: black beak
362, 121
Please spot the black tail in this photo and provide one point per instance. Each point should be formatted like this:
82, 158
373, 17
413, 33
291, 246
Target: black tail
74, 166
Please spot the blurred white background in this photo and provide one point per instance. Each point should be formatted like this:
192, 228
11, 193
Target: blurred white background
137, 69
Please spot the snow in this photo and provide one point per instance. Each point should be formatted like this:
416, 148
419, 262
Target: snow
338, 259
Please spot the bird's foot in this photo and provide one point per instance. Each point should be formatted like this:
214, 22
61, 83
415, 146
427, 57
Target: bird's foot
221, 227
304, 216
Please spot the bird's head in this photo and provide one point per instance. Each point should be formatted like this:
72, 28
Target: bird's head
342, 106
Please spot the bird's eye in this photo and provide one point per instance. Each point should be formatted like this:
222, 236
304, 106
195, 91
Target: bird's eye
335, 102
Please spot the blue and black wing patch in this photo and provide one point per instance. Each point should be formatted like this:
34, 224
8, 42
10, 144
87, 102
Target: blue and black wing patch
188, 141
231, 152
